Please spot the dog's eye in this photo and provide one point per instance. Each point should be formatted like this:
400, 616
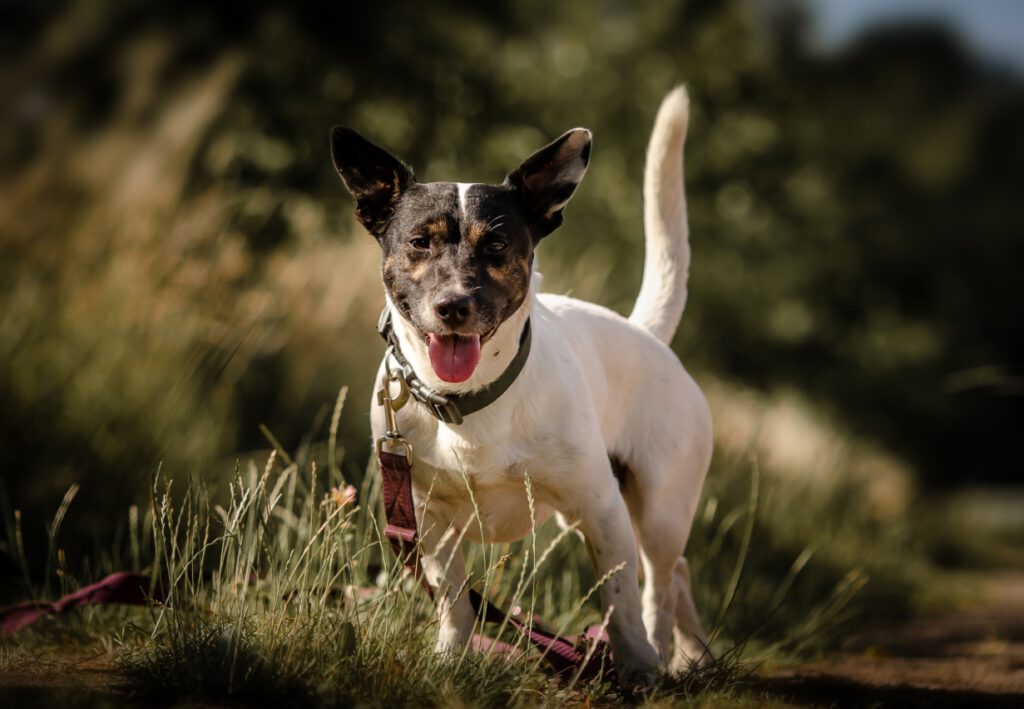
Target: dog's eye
495, 246
420, 243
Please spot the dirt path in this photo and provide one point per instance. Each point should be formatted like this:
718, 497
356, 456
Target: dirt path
970, 657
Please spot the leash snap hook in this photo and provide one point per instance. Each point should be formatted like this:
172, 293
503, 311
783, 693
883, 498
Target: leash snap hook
392, 438
391, 375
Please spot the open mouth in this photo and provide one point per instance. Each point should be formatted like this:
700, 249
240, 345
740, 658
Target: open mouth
454, 357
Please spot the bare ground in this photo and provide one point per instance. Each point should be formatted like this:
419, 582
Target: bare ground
973, 657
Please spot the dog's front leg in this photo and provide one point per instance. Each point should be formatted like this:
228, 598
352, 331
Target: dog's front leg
445, 571
610, 541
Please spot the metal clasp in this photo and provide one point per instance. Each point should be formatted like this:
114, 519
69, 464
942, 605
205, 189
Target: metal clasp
392, 437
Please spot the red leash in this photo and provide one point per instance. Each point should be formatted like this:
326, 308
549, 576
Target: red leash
122, 587
562, 654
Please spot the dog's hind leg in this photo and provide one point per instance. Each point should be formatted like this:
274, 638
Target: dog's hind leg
662, 493
661, 545
691, 643
670, 614
659, 601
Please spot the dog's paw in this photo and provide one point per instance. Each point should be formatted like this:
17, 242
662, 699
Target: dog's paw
690, 655
451, 643
636, 679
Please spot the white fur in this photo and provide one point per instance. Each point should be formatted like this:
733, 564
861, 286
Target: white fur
594, 385
662, 295
463, 188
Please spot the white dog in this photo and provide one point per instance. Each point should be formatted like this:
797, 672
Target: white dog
612, 431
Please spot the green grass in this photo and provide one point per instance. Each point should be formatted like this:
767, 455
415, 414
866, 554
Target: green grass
285, 593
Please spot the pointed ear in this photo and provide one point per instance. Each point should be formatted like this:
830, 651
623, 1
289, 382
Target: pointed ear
374, 177
547, 179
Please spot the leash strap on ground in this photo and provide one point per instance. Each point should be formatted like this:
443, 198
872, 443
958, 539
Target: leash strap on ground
122, 587
561, 654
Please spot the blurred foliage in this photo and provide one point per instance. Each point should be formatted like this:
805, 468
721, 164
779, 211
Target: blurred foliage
178, 262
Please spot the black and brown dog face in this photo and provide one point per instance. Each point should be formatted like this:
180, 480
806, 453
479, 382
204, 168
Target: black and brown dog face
458, 257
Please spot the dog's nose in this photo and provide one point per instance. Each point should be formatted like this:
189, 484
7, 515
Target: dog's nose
455, 310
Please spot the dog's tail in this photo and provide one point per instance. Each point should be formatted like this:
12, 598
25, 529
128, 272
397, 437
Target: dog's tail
667, 247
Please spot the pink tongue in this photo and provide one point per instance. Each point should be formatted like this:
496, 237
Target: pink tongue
454, 357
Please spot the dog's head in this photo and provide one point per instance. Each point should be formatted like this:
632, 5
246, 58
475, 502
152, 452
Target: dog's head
458, 257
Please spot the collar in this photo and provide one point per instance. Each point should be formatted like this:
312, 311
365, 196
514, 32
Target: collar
451, 408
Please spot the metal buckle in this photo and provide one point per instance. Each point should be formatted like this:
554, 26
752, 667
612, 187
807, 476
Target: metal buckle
447, 412
393, 441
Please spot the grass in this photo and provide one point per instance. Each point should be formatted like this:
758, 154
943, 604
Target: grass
284, 593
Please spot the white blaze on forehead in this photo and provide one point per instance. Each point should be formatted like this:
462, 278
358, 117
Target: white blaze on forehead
463, 188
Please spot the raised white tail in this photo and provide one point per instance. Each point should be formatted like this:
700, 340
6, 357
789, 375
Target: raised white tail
659, 306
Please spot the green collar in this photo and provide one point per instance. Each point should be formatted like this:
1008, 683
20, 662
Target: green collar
452, 408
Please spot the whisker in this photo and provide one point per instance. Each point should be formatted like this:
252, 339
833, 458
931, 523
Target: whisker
496, 223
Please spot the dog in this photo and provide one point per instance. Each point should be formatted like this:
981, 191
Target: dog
612, 431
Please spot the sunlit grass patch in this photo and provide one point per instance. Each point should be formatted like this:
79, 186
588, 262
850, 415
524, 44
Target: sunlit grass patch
288, 594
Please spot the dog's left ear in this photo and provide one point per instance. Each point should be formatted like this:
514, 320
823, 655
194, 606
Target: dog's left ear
374, 176
547, 179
